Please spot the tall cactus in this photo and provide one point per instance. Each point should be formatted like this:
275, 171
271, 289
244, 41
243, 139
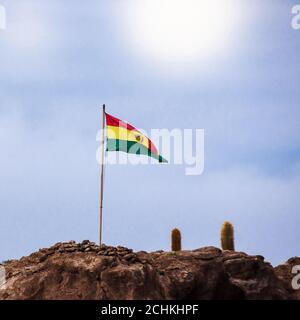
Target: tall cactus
176, 240
227, 236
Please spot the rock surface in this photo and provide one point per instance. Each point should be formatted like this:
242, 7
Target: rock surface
285, 273
87, 271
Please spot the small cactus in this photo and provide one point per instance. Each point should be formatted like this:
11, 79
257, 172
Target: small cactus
176, 240
227, 236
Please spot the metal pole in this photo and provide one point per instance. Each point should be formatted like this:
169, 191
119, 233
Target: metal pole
102, 173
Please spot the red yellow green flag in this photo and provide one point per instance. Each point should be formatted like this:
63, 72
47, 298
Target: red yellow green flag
124, 137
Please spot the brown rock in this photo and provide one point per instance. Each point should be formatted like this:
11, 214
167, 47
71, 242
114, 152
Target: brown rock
285, 275
129, 256
118, 273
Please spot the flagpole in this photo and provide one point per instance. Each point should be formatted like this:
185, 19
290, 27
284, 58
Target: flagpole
101, 178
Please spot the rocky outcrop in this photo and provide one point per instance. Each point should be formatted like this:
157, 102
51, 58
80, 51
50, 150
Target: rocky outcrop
87, 271
285, 274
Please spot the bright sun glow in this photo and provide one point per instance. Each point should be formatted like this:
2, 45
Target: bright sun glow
179, 31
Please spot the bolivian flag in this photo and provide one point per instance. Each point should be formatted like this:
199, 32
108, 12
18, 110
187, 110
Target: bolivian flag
124, 137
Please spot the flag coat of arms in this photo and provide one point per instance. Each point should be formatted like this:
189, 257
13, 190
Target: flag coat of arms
122, 136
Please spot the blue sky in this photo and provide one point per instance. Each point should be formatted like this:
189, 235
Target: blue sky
59, 61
